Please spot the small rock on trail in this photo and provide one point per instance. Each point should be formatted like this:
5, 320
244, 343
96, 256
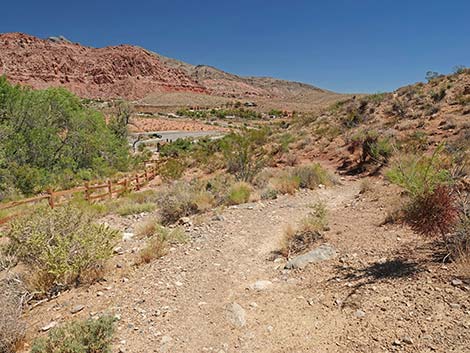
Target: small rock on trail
236, 315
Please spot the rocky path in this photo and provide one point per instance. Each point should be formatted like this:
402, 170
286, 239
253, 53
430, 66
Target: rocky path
224, 291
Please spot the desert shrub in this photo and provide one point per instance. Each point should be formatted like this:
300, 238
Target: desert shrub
239, 193
90, 336
419, 175
175, 202
12, 328
61, 246
269, 194
433, 213
154, 249
296, 241
312, 175
286, 183
146, 228
316, 220
172, 169
374, 148
244, 153
219, 187
431, 75
203, 200
176, 148
439, 95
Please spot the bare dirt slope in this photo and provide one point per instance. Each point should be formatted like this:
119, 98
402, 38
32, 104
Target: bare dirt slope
383, 292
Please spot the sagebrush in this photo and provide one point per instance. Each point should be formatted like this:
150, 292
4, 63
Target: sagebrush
90, 336
61, 246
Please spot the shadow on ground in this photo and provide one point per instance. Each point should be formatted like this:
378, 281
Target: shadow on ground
359, 278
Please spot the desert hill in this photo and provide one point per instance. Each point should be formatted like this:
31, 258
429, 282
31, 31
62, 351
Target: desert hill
133, 73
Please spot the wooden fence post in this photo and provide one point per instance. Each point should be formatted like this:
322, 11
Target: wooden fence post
51, 198
125, 185
87, 191
137, 183
110, 188
146, 175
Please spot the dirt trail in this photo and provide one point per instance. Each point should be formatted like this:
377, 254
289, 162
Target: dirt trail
183, 302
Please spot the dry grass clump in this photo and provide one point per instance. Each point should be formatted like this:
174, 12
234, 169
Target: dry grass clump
156, 246
297, 241
365, 186
146, 228
312, 175
239, 193
286, 183
12, 328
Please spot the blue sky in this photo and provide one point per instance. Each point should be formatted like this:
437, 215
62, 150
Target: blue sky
342, 45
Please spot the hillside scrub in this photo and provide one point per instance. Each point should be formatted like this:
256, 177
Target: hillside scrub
61, 247
48, 137
90, 336
245, 153
432, 209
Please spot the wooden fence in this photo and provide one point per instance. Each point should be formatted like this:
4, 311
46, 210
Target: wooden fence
91, 192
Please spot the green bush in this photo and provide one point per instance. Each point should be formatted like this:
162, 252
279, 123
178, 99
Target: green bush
61, 246
172, 169
49, 137
419, 175
239, 193
90, 336
244, 153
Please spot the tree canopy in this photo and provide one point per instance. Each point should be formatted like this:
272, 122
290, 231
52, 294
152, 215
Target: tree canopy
49, 137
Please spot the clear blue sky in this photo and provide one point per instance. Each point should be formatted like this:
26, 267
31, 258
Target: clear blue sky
342, 45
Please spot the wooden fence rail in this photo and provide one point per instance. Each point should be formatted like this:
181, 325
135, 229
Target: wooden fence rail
113, 189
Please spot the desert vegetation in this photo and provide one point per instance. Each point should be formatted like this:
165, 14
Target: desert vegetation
48, 137
87, 336
62, 247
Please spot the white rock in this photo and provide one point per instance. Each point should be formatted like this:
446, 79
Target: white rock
261, 285
49, 326
127, 236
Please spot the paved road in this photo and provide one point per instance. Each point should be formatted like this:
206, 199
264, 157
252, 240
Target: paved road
170, 136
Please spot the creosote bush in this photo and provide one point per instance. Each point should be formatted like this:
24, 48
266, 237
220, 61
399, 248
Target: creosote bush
245, 153
90, 336
62, 247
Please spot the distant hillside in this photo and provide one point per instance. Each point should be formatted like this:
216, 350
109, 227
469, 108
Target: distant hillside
132, 72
